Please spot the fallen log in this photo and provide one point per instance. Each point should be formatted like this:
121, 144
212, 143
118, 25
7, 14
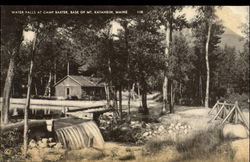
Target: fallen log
20, 125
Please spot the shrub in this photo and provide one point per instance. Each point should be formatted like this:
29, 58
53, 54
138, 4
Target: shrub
241, 98
10, 148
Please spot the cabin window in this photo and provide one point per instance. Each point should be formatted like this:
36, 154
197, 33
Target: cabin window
67, 91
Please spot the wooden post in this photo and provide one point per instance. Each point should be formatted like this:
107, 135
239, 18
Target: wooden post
218, 112
27, 106
229, 114
241, 115
236, 117
213, 107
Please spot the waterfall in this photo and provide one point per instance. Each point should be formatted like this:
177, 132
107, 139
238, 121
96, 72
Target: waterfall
86, 134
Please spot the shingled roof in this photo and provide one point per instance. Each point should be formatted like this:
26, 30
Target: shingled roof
85, 81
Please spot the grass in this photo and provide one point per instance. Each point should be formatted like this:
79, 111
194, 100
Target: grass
155, 146
204, 145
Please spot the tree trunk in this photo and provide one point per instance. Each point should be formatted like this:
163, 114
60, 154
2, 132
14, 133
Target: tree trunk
144, 101
55, 71
138, 90
167, 54
27, 105
200, 88
107, 94
7, 92
68, 68
207, 65
36, 90
165, 95
9, 79
48, 87
133, 91
129, 98
172, 96
115, 105
120, 101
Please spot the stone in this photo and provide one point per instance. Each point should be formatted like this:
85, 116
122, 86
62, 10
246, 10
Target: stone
52, 144
32, 144
189, 127
182, 127
178, 124
234, 131
145, 134
161, 128
170, 131
125, 128
176, 127
185, 131
58, 146
42, 144
45, 140
50, 139
148, 126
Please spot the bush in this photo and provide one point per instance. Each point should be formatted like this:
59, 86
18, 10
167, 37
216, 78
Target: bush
11, 142
241, 98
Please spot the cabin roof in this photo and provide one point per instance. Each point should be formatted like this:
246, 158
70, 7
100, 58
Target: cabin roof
84, 81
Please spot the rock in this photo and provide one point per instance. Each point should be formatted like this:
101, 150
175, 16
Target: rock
45, 141
125, 128
42, 144
145, 134
176, 127
58, 146
178, 124
185, 131
32, 144
148, 126
170, 131
182, 127
52, 144
189, 127
161, 128
50, 139
234, 131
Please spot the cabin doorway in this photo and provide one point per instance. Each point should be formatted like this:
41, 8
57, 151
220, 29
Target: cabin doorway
67, 92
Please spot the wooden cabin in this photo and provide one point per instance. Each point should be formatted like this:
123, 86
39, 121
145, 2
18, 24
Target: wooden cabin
80, 87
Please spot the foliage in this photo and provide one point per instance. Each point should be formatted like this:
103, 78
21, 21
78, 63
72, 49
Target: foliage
10, 145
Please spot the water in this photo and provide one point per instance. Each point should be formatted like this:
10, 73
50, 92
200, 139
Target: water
82, 135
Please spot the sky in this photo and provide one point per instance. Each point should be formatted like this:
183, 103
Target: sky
232, 17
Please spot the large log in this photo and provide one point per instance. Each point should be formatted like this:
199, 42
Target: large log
20, 125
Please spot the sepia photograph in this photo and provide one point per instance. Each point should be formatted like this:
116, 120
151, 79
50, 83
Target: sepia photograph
139, 83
